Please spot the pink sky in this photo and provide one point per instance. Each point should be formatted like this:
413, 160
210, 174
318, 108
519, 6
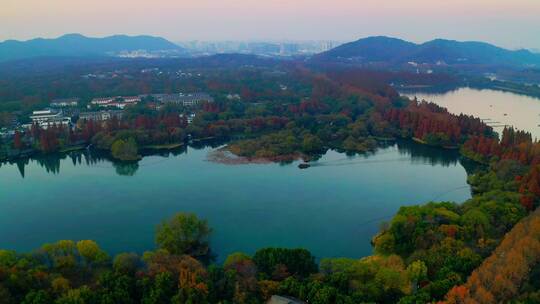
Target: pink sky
509, 23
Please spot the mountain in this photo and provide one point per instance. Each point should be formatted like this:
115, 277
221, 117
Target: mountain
372, 48
79, 45
388, 50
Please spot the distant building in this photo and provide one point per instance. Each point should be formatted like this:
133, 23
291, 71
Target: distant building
328, 45
189, 118
288, 49
264, 47
64, 102
234, 97
100, 115
6, 133
102, 101
186, 100
117, 101
49, 117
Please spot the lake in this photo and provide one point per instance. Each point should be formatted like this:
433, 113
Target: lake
333, 208
497, 108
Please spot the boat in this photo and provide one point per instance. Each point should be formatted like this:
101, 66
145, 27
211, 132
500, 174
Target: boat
304, 165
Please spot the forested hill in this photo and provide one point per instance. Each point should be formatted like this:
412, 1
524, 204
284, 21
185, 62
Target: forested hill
441, 51
79, 45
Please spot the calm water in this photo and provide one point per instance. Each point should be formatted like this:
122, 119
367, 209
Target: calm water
332, 209
521, 111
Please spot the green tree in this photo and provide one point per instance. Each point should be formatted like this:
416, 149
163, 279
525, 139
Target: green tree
127, 263
311, 144
125, 150
184, 233
81, 295
8, 258
294, 261
235, 258
161, 291
37, 297
116, 289
5, 295
61, 254
416, 271
91, 253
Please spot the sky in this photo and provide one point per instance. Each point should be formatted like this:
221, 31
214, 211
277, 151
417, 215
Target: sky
507, 23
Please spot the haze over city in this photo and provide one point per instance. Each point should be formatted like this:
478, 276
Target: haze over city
493, 21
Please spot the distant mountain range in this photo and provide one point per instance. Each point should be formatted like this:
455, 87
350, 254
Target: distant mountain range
389, 50
378, 51
79, 45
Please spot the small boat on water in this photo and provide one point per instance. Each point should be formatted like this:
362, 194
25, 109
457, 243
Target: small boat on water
304, 165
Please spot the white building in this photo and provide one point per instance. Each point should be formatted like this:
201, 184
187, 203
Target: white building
234, 97
186, 100
47, 118
102, 101
100, 115
65, 102
189, 118
117, 102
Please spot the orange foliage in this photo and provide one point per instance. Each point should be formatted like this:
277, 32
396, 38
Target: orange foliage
499, 277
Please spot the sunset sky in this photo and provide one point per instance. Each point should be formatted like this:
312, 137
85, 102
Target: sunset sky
511, 24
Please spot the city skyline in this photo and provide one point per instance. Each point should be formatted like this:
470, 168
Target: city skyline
495, 22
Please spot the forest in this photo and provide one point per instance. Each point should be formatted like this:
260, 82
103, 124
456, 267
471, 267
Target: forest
483, 250
281, 115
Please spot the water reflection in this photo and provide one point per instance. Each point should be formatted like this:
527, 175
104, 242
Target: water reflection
409, 150
89, 158
427, 154
496, 108
126, 169
442, 89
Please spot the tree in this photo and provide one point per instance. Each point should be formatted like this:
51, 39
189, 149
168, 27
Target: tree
125, 150
82, 295
48, 140
36, 297
161, 291
312, 144
61, 254
17, 142
297, 261
60, 285
116, 288
127, 263
184, 233
91, 252
235, 258
417, 271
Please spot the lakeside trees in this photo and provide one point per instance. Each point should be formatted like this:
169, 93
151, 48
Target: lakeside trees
501, 275
314, 113
80, 272
424, 253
